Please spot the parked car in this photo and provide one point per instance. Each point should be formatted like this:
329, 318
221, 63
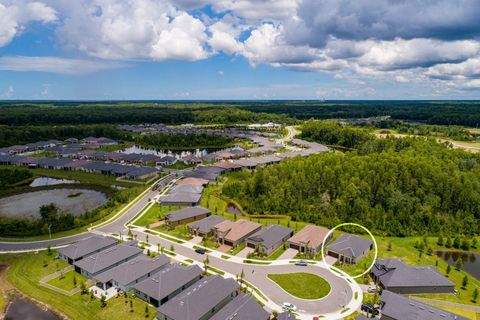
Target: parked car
301, 263
369, 309
289, 306
372, 290
200, 251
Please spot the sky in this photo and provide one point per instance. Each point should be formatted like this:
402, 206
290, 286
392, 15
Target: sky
239, 49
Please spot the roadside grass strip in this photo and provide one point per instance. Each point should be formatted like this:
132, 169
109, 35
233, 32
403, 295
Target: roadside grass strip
256, 262
302, 285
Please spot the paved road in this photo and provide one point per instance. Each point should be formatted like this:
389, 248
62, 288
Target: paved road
113, 227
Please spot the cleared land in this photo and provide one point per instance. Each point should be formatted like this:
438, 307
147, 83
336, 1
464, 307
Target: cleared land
302, 285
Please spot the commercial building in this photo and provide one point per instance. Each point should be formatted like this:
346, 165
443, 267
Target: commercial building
349, 248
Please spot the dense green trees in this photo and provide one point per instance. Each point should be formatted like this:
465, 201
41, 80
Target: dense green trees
332, 133
393, 186
9, 177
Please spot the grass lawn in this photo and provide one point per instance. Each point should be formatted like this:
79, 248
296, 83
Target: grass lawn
237, 249
467, 314
277, 253
66, 283
302, 285
155, 213
179, 165
180, 231
27, 269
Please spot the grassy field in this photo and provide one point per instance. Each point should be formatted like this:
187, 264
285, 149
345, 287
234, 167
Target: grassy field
155, 213
67, 282
467, 314
27, 269
302, 285
179, 231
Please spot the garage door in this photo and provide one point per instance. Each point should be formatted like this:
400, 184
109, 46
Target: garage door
294, 246
250, 245
333, 254
228, 243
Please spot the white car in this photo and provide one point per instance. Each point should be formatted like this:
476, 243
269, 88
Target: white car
289, 306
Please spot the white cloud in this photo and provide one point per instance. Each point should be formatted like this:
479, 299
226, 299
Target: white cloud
221, 73
55, 65
9, 93
15, 16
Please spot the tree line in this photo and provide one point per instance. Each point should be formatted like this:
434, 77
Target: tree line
9, 177
395, 186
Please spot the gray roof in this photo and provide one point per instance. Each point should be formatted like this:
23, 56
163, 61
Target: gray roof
270, 235
242, 307
395, 273
399, 307
134, 269
182, 197
207, 224
350, 245
186, 213
86, 246
286, 316
108, 257
186, 188
141, 171
199, 299
168, 280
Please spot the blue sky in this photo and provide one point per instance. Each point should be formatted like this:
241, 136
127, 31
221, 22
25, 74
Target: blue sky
239, 49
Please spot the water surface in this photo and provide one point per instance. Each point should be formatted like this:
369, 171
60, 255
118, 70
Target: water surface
471, 261
47, 181
23, 309
75, 201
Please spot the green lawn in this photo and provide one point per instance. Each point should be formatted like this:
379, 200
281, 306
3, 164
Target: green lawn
180, 231
237, 249
154, 214
302, 285
66, 283
467, 314
27, 269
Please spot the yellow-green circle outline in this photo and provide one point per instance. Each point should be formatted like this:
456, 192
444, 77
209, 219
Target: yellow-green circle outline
355, 225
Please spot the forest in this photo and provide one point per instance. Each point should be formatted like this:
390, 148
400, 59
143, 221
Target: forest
394, 186
9, 177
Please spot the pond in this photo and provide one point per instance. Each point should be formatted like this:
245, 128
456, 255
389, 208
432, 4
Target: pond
233, 210
162, 153
47, 181
23, 309
75, 201
471, 261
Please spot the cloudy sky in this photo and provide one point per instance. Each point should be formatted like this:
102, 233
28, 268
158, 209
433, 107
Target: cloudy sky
239, 49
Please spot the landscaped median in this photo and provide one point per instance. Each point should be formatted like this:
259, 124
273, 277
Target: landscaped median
302, 285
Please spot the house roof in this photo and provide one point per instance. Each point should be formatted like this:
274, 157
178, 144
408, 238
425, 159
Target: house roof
396, 306
86, 246
187, 188
350, 245
167, 159
108, 257
238, 229
141, 171
395, 273
211, 176
181, 197
168, 280
207, 224
242, 307
227, 165
199, 299
192, 181
186, 213
311, 235
270, 235
134, 269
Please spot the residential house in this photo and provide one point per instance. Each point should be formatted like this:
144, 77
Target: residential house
396, 276
349, 248
396, 307
309, 239
106, 259
128, 274
200, 301
242, 307
206, 226
186, 215
269, 238
166, 161
85, 248
234, 233
166, 284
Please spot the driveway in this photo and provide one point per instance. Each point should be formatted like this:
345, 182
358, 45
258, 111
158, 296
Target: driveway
330, 260
196, 239
288, 254
244, 253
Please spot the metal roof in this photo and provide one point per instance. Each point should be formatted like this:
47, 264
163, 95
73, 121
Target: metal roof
168, 280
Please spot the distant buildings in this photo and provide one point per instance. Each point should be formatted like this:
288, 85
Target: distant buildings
396, 276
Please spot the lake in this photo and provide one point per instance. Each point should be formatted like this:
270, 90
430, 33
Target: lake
46, 181
471, 261
23, 309
75, 201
